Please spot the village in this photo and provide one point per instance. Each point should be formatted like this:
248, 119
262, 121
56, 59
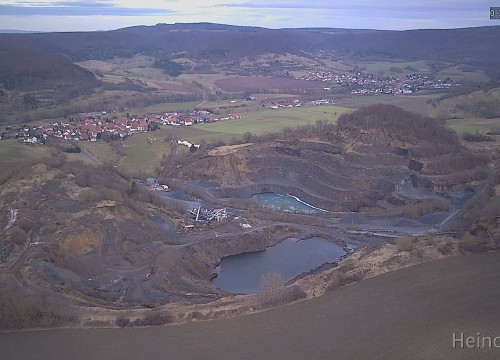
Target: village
361, 83
95, 126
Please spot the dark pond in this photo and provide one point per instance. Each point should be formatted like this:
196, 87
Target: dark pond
242, 274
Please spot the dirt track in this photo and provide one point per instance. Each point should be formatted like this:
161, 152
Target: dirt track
392, 316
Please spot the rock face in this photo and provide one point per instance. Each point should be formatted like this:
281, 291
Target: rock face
347, 168
320, 173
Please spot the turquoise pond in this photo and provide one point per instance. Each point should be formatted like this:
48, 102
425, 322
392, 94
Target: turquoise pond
286, 203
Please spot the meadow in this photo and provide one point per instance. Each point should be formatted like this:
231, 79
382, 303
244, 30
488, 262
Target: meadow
14, 154
102, 151
273, 120
143, 152
414, 103
143, 155
474, 125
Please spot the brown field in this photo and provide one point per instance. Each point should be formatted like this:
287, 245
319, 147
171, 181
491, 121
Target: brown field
208, 81
405, 314
137, 68
268, 82
169, 87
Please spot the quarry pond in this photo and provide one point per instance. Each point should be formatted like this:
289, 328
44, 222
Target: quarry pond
286, 203
242, 274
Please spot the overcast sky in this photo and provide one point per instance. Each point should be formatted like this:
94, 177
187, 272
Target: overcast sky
85, 15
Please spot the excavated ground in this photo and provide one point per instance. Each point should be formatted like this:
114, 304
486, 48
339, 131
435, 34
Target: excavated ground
118, 251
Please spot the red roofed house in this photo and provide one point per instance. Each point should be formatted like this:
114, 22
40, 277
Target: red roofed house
142, 125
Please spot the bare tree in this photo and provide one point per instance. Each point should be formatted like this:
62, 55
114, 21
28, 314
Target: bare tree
273, 286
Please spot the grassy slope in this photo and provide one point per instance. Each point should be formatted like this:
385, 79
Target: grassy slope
466, 112
143, 154
13, 153
207, 80
406, 314
473, 125
460, 76
80, 157
385, 67
265, 121
102, 151
414, 103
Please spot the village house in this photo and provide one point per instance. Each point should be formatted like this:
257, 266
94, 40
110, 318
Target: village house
92, 126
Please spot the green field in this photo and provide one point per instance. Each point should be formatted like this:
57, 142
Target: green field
265, 121
474, 125
414, 103
102, 151
144, 154
13, 154
478, 111
405, 314
80, 157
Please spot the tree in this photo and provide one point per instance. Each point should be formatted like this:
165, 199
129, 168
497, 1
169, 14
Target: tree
133, 187
248, 137
30, 101
169, 67
273, 286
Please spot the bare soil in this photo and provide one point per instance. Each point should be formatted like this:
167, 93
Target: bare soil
226, 150
104, 250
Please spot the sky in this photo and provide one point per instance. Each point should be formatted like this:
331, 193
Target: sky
90, 15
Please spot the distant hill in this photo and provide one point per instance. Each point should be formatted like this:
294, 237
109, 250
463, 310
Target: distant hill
469, 45
46, 61
11, 31
32, 80
199, 40
23, 69
214, 42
